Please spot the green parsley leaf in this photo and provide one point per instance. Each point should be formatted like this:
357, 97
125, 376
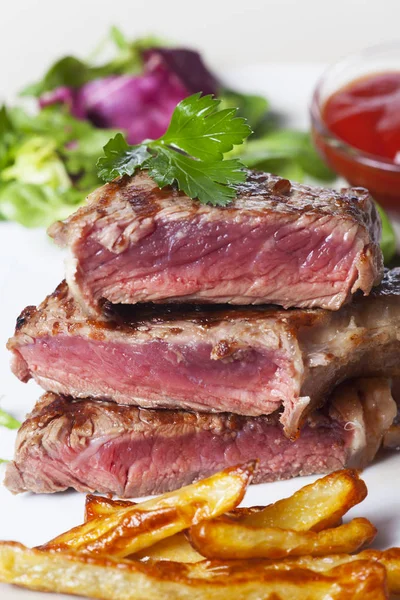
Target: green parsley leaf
120, 158
209, 182
190, 154
3, 460
198, 128
8, 421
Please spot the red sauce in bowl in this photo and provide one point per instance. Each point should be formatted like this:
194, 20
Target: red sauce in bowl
366, 115
359, 134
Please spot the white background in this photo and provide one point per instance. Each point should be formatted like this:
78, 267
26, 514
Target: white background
230, 32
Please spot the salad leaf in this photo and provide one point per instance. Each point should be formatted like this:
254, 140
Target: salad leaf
8, 421
190, 153
186, 65
388, 241
141, 104
32, 205
36, 161
3, 460
66, 72
72, 72
250, 106
47, 164
287, 153
6, 125
312, 163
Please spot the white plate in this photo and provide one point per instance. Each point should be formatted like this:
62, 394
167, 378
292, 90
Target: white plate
31, 266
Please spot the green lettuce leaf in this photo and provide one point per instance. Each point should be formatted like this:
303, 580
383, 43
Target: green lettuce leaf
249, 106
289, 146
33, 205
47, 164
388, 241
6, 420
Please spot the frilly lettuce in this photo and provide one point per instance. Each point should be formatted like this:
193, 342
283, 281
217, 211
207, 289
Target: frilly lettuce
46, 164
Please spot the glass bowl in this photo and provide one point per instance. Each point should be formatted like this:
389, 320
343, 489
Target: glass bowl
380, 176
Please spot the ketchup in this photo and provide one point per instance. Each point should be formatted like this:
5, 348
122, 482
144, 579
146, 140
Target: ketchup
365, 114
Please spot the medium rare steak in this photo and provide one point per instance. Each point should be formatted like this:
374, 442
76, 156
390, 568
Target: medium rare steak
249, 360
101, 446
278, 242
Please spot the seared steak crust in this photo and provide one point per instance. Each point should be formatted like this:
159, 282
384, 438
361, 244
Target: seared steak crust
278, 242
248, 360
100, 446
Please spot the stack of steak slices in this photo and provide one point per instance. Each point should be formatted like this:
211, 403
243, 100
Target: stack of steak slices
187, 338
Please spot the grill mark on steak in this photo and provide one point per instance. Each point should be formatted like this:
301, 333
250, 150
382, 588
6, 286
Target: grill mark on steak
248, 360
100, 446
24, 317
134, 243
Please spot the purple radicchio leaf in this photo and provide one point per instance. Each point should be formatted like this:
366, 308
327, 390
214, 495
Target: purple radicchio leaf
141, 106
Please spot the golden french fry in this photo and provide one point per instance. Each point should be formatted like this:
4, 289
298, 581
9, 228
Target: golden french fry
314, 507
176, 548
111, 579
130, 529
99, 506
390, 559
225, 539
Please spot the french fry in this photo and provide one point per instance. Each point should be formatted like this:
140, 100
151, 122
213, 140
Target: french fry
133, 528
176, 548
99, 506
226, 540
390, 559
314, 507
111, 579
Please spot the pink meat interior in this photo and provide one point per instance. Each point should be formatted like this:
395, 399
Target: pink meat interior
223, 259
162, 373
135, 465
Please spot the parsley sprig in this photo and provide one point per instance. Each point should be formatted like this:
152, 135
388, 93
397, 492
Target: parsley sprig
190, 154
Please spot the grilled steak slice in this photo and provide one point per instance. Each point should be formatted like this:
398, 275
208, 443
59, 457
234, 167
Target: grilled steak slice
249, 360
278, 243
100, 446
